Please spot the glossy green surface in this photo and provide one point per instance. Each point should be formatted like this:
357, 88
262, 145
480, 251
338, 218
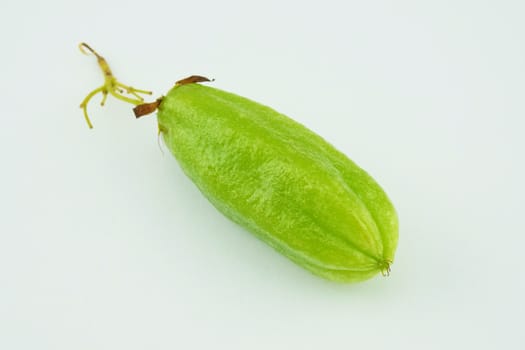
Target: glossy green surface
282, 182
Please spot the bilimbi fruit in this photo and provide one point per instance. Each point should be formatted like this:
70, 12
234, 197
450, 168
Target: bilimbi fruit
273, 176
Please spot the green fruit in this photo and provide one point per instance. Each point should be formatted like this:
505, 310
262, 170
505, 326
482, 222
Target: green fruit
280, 181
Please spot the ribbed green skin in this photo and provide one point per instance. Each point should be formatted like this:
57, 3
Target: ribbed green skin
281, 182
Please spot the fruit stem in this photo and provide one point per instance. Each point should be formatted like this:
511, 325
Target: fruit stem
111, 86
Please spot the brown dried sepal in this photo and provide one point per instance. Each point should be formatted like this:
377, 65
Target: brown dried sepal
192, 79
146, 108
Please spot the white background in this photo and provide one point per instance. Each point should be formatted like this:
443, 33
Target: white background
105, 244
